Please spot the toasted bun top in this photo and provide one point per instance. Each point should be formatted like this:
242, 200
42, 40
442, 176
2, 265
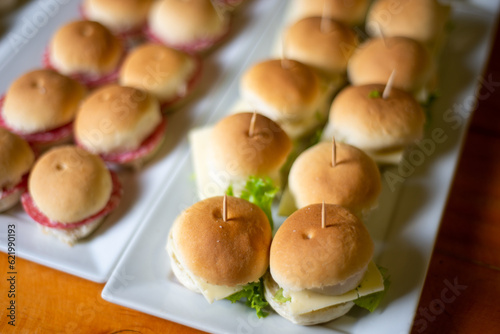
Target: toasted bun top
118, 15
289, 86
116, 119
354, 182
16, 158
306, 256
324, 44
85, 47
376, 59
160, 70
69, 184
376, 124
186, 21
41, 100
223, 253
260, 154
351, 12
421, 20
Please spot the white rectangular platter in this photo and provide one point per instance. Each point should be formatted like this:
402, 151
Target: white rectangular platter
21, 49
404, 226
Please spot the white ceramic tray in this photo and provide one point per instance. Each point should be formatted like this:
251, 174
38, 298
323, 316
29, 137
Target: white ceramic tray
21, 49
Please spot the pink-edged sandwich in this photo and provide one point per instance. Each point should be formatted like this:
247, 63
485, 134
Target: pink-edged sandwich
87, 51
123, 125
40, 106
189, 25
70, 192
16, 160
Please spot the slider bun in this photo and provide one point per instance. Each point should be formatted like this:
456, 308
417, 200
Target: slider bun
118, 15
375, 59
85, 47
16, 159
282, 89
306, 256
262, 154
229, 253
375, 124
326, 50
181, 22
421, 20
116, 119
312, 318
353, 183
69, 184
351, 12
160, 70
41, 100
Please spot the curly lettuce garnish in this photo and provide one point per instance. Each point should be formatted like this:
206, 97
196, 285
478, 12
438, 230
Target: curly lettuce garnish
372, 301
254, 295
278, 296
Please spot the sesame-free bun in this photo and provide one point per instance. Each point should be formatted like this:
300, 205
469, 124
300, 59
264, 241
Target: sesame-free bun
116, 119
69, 184
421, 20
306, 256
41, 100
160, 70
350, 12
85, 47
323, 44
375, 60
16, 159
261, 154
229, 253
286, 91
375, 124
186, 22
118, 15
354, 182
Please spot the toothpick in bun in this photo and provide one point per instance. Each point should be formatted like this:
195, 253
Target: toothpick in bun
168, 74
320, 264
40, 106
123, 125
16, 159
70, 192
189, 25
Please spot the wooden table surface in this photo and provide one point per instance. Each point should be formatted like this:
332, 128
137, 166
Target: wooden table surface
461, 292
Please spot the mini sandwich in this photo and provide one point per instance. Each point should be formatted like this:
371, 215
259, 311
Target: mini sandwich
16, 159
70, 192
238, 147
218, 250
337, 174
123, 125
321, 265
324, 44
168, 74
86, 51
123, 17
421, 20
350, 12
40, 106
376, 59
188, 25
382, 127
288, 92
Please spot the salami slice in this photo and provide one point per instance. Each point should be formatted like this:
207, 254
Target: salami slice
21, 186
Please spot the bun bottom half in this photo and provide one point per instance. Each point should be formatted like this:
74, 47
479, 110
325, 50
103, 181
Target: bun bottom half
307, 319
10, 200
71, 236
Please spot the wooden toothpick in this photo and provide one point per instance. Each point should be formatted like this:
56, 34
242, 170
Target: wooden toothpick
325, 19
388, 86
224, 209
323, 218
252, 124
334, 152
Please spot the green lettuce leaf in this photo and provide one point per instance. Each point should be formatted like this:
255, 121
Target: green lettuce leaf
254, 295
375, 94
260, 192
280, 298
372, 301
